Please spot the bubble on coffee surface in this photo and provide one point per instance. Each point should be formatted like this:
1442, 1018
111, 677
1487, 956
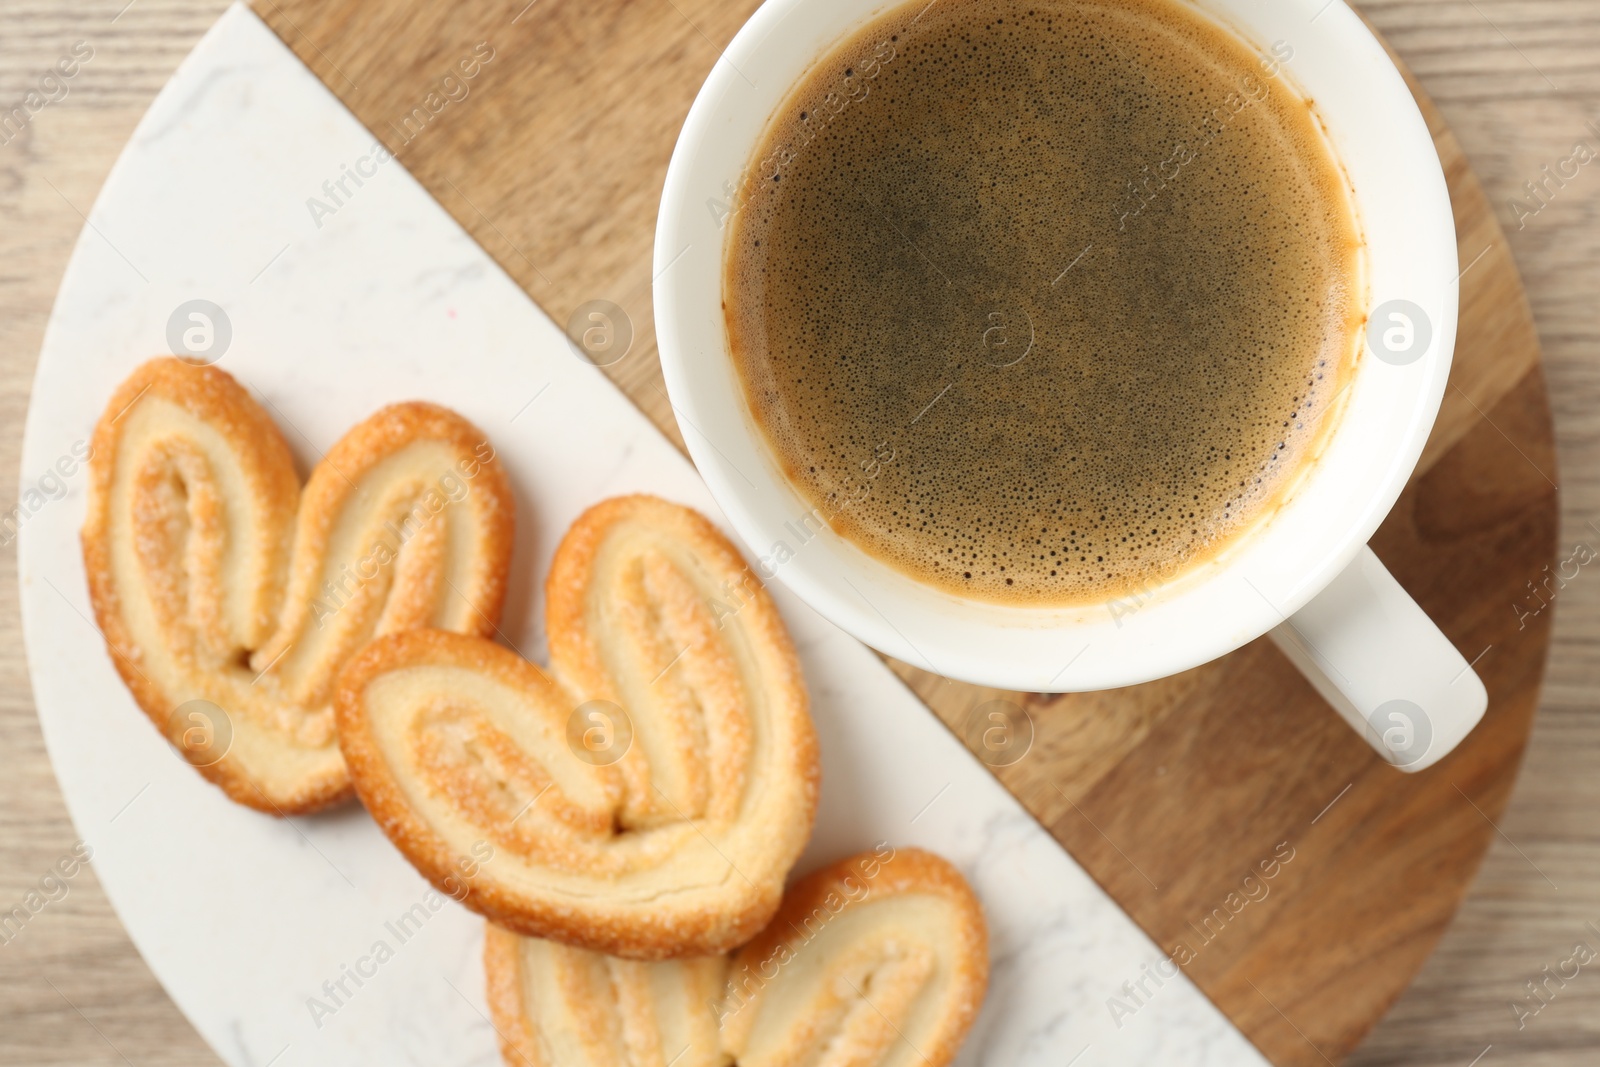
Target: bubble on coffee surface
1123, 193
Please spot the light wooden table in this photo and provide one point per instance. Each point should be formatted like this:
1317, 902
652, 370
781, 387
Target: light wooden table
1516, 80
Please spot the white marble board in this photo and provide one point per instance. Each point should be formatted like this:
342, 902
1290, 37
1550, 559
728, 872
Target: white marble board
244, 917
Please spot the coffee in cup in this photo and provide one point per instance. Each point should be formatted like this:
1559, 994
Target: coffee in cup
1044, 301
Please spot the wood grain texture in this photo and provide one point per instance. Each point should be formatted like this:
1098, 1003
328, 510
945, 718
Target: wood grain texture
1512, 78
1168, 793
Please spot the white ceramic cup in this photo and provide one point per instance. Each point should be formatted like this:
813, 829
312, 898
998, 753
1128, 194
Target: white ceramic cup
1305, 575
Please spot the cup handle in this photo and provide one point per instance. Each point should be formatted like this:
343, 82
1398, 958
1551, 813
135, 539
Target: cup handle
1382, 663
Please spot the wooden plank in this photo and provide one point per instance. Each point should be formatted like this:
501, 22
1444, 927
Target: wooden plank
1486, 63
1168, 793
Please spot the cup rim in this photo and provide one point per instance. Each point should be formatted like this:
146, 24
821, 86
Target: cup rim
1254, 585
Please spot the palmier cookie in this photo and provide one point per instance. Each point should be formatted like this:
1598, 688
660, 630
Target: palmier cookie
558, 1006
649, 799
230, 597
880, 960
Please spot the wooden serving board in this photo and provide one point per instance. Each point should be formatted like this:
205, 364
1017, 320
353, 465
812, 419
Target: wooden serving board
1168, 793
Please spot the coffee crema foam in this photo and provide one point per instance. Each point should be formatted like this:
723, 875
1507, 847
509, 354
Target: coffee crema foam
1087, 271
